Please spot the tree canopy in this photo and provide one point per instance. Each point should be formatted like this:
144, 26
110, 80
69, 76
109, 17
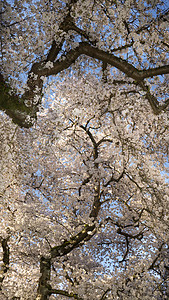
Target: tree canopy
84, 149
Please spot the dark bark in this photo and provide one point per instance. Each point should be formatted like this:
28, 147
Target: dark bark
44, 286
23, 109
14, 106
88, 231
5, 259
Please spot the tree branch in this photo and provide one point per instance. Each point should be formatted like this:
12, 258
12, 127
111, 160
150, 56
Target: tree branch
5, 259
108, 58
114, 179
54, 50
44, 286
15, 107
65, 293
26, 107
104, 294
74, 241
154, 72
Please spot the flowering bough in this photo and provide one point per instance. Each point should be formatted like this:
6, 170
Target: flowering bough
84, 169
61, 56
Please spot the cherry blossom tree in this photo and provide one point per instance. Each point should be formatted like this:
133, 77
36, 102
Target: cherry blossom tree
84, 150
